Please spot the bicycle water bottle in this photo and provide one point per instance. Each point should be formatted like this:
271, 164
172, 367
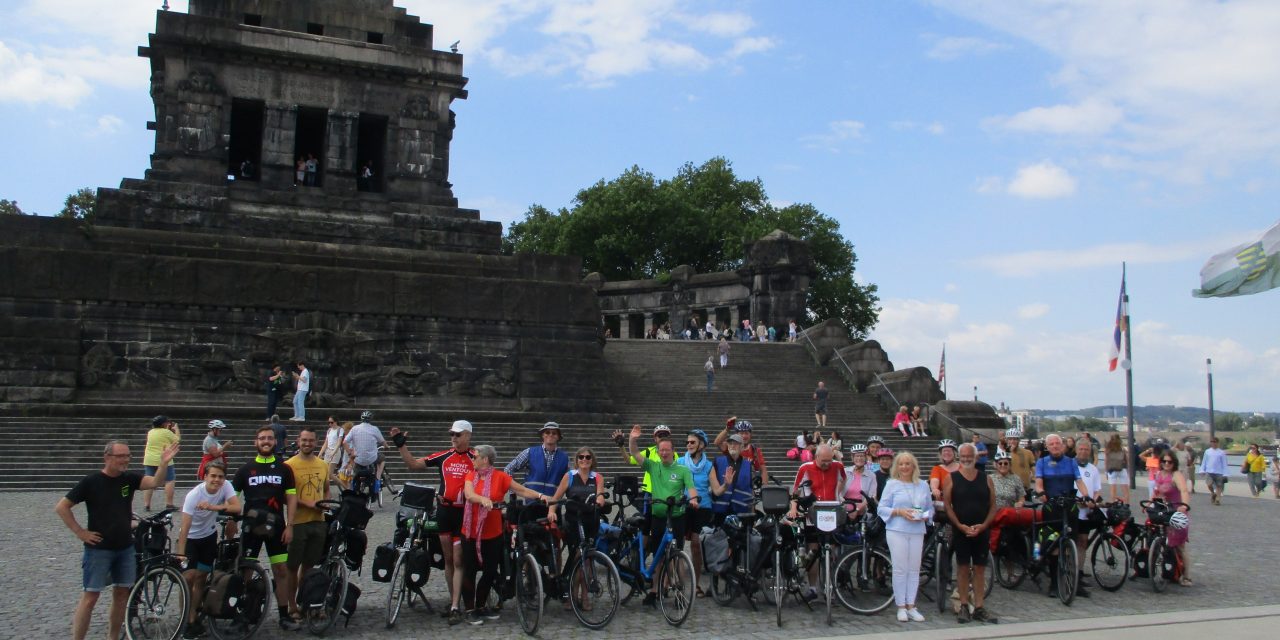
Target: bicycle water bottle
1035, 551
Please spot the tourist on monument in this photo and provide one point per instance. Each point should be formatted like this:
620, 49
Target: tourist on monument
730, 481
699, 466
164, 432
981, 448
762, 332
918, 420
281, 433
1213, 464
723, 348
709, 332
969, 499
312, 166
302, 380
455, 464
1057, 475
364, 181
213, 448
824, 480
1092, 479
884, 458
482, 530
365, 443
300, 172
311, 478
1023, 462
670, 480
108, 557
902, 422
332, 449
947, 464
198, 534
773, 334
860, 478
906, 508
1117, 470
266, 485
791, 331
1171, 486
544, 465
820, 404
749, 451
277, 384
710, 368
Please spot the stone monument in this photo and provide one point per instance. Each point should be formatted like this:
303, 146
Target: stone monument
297, 209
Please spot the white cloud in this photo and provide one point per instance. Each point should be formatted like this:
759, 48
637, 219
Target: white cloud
31, 80
1042, 180
1033, 310
756, 44
952, 47
107, 125
724, 24
838, 133
1090, 117
1036, 262
936, 128
950, 287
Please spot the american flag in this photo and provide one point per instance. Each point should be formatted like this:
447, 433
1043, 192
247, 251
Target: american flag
942, 366
1122, 311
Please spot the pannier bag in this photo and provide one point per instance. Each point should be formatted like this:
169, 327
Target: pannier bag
357, 546
384, 562
417, 567
223, 593
775, 500
312, 589
715, 551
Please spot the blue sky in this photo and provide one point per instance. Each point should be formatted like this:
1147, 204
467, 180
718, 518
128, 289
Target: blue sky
993, 162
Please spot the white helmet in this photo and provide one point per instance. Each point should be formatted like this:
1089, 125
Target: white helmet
947, 443
858, 448
1013, 433
1179, 520
217, 424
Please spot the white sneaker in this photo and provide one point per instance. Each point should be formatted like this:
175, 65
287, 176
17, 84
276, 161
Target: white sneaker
902, 615
915, 616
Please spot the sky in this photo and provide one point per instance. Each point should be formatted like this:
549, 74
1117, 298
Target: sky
992, 162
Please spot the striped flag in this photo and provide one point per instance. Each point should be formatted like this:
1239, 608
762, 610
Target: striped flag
942, 366
1242, 270
1122, 311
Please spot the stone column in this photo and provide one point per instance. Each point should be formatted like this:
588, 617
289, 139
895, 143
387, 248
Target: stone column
278, 130
339, 164
734, 321
648, 323
624, 326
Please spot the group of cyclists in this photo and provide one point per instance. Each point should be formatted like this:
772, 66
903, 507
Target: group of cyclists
283, 506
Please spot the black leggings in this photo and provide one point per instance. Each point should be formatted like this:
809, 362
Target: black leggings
491, 566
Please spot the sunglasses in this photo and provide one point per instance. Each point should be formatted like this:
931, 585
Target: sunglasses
1002, 462
454, 435
692, 442
585, 456
1166, 462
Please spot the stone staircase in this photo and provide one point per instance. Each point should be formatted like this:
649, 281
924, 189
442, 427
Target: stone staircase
652, 382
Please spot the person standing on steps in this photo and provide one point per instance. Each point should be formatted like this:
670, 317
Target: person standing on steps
710, 368
820, 404
303, 380
276, 384
164, 432
723, 348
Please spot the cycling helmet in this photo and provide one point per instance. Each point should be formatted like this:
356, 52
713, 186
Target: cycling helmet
366, 416
662, 428
858, 448
699, 434
947, 443
1002, 455
217, 424
1013, 433
160, 420
742, 425
1179, 520
884, 452
875, 439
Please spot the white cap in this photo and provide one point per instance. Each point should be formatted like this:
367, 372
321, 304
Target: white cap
460, 426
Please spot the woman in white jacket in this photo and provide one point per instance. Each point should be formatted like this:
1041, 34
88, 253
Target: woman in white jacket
906, 507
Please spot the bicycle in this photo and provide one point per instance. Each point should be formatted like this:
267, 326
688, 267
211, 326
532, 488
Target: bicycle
862, 575
942, 569
1109, 556
1163, 563
346, 517
417, 545
237, 594
594, 578
158, 603
670, 569
1014, 563
524, 576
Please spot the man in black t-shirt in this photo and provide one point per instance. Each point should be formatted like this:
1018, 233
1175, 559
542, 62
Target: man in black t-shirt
266, 484
108, 540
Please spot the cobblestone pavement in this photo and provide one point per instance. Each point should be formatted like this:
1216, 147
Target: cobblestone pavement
40, 576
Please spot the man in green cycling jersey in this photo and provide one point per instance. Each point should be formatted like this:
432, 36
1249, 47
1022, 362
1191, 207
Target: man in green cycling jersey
669, 479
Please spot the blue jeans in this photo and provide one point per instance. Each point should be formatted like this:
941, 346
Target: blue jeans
103, 567
711, 377
169, 475
300, 404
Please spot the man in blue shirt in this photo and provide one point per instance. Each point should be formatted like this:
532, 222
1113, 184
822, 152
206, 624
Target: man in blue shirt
1058, 475
1213, 464
981, 448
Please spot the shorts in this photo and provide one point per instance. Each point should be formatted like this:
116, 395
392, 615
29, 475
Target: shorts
277, 551
102, 567
658, 527
1217, 480
449, 519
695, 520
820, 409
202, 552
169, 476
306, 549
1118, 477
1084, 526
973, 550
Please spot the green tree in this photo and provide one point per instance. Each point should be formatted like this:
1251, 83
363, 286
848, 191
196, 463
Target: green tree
637, 226
10, 208
1228, 422
1257, 423
79, 205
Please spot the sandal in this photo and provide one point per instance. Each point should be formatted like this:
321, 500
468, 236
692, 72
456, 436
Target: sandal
701, 593
1186, 582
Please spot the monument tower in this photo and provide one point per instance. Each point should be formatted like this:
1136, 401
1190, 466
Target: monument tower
189, 283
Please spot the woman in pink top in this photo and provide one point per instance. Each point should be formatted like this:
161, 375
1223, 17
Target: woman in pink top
902, 422
1169, 484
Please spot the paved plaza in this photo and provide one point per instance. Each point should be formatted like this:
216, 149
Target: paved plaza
1232, 548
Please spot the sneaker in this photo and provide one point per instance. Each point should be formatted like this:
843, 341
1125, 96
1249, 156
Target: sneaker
1053, 592
811, 595
1081, 592
194, 630
455, 617
487, 613
902, 615
981, 614
651, 600
963, 616
289, 624
914, 615
474, 619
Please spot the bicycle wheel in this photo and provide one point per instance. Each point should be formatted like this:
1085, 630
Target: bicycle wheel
157, 605
249, 610
779, 585
942, 575
1110, 562
321, 619
828, 588
1010, 567
529, 593
1156, 569
595, 590
723, 590
1068, 570
676, 583
862, 581
989, 575
397, 590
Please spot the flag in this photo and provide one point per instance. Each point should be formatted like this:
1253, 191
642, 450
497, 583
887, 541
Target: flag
1242, 270
942, 366
1122, 311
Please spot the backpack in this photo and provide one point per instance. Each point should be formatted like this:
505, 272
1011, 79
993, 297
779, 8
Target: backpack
715, 551
312, 589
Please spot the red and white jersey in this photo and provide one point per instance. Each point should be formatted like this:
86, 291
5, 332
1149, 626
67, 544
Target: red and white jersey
824, 484
454, 467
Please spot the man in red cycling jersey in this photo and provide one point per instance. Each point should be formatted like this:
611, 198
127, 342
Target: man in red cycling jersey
454, 465
825, 481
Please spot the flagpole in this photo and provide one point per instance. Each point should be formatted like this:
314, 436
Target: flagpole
943, 367
1128, 376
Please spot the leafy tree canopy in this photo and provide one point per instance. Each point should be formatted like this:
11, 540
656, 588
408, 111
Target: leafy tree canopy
638, 226
79, 205
10, 208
